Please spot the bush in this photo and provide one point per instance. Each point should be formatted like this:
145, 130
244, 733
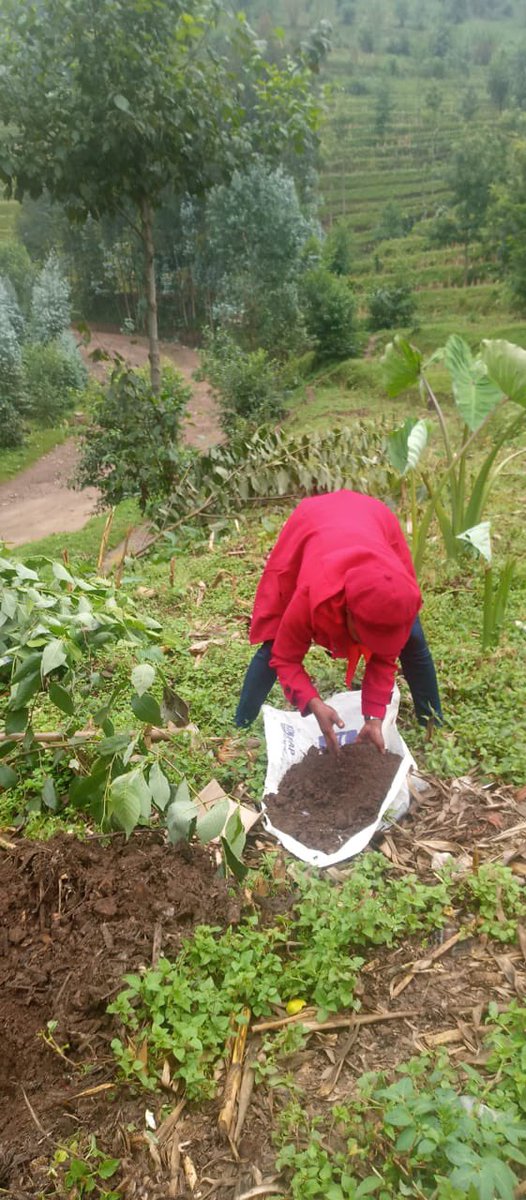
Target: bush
16, 265
50, 303
248, 383
9, 303
391, 306
329, 315
338, 249
53, 376
130, 449
11, 427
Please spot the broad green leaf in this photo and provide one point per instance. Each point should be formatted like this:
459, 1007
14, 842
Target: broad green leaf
401, 364
506, 365
480, 538
476, 395
49, 795
114, 744
368, 1185
122, 103
406, 1138
146, 708
405, 445
237, 867
27, 666
8, 777
61, 573
54, 656
180, 818
159, 787
16, 720
62, 699
23, 691
128, 799
142, 677
211, 824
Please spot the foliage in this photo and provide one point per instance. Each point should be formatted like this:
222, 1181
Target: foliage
329, 315
275, 464
252, 256
16, 265
185, 118
131, 447
184, 1011
54, 374
508, 223
391, 306
393, 223
85, 1172
11, 427
337, 250
497, 897
479, 386
9, 305
50, 302
249, 384
475, 167
416, 1136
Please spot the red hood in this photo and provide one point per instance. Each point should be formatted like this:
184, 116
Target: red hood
381, 595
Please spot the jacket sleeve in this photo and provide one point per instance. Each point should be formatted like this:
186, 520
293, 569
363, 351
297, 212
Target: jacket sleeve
378, 684
292, 641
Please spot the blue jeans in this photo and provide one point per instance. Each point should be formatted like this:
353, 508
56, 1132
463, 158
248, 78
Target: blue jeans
417, 664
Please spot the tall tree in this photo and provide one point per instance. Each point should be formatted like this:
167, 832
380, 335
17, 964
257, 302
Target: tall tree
105, 103
474, 168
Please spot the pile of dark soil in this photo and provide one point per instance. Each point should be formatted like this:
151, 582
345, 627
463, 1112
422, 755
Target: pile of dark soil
326, 798
74, 917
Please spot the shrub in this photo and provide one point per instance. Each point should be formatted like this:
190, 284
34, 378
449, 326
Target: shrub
130, 449
9, 303
329, 315
391, 306
53, 376
16, 265
248, 383
11, 428
50, 303
338, 248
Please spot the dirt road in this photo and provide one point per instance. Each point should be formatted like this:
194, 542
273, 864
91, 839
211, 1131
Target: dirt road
38, 501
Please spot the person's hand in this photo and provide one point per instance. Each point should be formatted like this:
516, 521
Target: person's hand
371, 731
327, 717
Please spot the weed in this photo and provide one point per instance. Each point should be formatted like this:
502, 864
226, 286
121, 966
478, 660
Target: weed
84, 1173
495, 894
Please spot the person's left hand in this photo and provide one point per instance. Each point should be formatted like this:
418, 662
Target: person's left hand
371, 731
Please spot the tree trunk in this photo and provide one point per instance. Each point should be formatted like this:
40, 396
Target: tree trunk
466, 264
151, 296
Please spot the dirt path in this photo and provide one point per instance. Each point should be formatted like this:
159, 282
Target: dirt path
38, 501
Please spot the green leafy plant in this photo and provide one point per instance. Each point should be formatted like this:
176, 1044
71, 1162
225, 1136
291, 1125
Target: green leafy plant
131, 447
50, 302
249, 384
480, 386
53, 376
391, 306
329, 315
496, 587
496, 896
85, 1173
416, 1136
272, 464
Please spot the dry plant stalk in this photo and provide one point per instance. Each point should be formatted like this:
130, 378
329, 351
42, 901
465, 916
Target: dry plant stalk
233, 1080
105, 539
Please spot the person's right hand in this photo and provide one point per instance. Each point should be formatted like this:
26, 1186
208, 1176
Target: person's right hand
327, 717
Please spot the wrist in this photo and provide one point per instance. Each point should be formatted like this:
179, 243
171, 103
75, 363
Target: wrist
368, 719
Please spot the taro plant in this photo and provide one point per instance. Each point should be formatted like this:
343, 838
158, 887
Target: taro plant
497, 586
52, 626
458, 493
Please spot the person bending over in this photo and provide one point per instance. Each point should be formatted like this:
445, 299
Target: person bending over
340, 576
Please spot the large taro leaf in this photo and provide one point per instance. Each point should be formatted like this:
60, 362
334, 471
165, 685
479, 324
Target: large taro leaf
479, 537
476, 395
506, 364
402, 364
405, 445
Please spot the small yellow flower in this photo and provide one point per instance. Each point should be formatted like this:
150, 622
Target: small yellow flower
295, 1006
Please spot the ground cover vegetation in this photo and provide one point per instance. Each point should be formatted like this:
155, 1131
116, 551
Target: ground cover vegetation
205, 1016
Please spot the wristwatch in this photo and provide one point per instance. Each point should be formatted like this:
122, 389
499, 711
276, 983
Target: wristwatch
372, 718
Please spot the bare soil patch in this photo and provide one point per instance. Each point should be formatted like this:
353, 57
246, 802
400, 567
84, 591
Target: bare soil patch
75, 917
326, 798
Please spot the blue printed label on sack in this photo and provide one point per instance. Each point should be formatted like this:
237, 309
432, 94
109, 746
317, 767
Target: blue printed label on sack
345, 737
289, 743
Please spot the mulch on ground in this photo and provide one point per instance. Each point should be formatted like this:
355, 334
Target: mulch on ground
74, 917
326, 798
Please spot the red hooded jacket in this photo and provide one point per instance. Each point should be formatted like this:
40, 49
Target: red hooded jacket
337, 554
